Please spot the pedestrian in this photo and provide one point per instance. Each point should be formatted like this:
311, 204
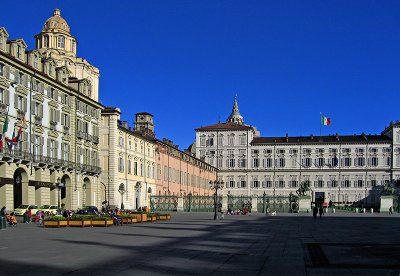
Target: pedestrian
3, 211
29, 215
390, 210
315, 211
321, 211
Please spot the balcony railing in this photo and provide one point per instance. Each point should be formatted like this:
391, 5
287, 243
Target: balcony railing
37, 119
3, 108
80, 134
53, 125
95, 139
66, 129
19, 156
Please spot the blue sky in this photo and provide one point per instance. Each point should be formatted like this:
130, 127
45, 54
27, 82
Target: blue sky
184, 61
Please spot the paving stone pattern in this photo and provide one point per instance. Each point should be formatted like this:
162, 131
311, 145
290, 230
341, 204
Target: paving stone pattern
193, 243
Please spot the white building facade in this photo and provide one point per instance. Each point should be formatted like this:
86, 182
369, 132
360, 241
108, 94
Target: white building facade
344, 169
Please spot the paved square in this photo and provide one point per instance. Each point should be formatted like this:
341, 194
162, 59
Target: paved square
193, 243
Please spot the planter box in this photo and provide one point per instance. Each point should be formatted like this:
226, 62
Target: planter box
102, 223
55, 224
140, 217
164, 217
125, 220
79, 223
151, 218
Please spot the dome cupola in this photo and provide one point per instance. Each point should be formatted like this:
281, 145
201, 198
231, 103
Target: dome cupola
56, 23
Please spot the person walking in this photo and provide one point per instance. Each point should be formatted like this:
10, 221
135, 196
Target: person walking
3, 211
321, 211
315, 211
390, 210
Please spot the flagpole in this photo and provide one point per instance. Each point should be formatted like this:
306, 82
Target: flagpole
320, 124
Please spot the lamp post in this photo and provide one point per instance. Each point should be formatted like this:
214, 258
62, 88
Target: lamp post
84, 195
121, 190
59, 186
216, 185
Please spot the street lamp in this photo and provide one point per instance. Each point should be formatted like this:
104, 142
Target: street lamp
59, 186
122, 191
84, 194
216, 185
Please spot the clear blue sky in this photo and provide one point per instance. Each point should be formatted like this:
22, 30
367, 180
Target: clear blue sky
183, 61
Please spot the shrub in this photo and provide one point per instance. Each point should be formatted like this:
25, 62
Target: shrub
82, 217
54, 218
124, 216
101, 218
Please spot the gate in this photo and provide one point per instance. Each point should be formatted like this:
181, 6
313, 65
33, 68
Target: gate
283, 204
239, 202
163, 203
200, 203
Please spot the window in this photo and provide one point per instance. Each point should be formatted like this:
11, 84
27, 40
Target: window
359, 161
121, 141
281, 183
135, 168
231, 183
231, 140
38, 145
256, 183
20, 103
121, 164
387, 150
242, 139
268, 162
254, 151
320, 162
61, 42
280, 151
333, 162
129, 166
320, 151
359, 150
346, 162
267, 183
220, 140
256, 163
281, 163
242, 163
19, 51
1, 42
65, 151
360, 183
46, 41
388, 161
293, 183
267, 151
141, 169
219, 165
52, 148
307, 162
242, 183
306, 151
332, 183
4, 96
346, 150
319, 183
373, 162
210, 142
346, 183
230, 163
202, 141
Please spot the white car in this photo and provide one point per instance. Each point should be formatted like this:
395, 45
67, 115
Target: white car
49, 209
20, 210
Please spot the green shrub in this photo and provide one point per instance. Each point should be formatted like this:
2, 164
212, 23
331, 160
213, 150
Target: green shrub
82, 217
101, 218
54, 218
124, 216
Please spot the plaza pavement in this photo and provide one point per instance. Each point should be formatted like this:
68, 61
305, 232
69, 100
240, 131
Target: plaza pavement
193, 243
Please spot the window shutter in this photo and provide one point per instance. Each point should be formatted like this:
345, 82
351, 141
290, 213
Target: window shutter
48, 147
24, 80
33, 109
55, 94
16, 76
62, 118
41, 88
7, 71
40, 111
24, 105
7, 97
16, 101
58, 115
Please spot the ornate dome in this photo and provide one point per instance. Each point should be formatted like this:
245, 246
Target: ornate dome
235, 116
56, 23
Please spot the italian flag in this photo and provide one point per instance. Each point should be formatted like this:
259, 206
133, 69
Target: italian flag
325, 121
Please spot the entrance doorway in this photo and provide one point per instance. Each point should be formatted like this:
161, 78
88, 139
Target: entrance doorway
17, 189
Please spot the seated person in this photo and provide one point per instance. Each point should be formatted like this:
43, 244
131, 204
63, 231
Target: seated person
12, 219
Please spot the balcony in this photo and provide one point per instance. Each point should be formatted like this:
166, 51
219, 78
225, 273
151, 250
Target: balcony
80, 135
66, 129
3, 108
95, 139
88, 137
20, 113
16, 156
53, 125
37, 120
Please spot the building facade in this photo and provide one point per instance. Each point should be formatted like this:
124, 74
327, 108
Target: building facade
127, 158
51, 126
344, 169
180, 173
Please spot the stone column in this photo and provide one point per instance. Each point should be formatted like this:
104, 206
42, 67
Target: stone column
180, 204
7, 196
224, 203
254, 204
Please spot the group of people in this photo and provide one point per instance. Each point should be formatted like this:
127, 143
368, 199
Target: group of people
317, 210
11, 219
243, 211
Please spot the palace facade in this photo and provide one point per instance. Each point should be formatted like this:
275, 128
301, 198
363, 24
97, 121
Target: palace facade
340, 168
49, 96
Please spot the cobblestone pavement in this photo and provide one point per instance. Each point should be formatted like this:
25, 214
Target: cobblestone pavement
286, 244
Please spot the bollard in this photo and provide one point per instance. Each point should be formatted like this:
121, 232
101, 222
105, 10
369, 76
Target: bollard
364, 210
372, 210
